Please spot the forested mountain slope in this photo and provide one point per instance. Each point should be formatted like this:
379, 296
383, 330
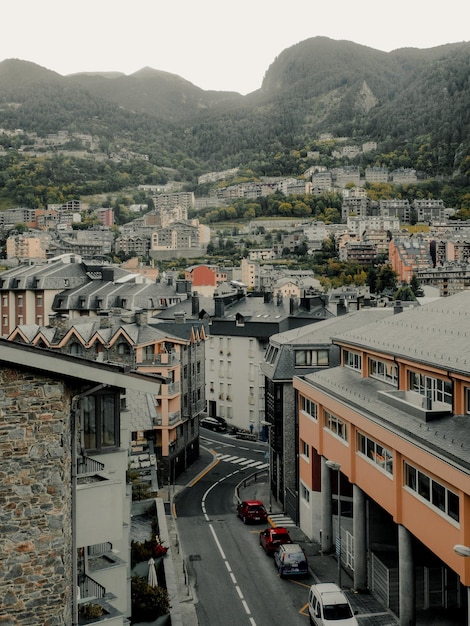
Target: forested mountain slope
319, 85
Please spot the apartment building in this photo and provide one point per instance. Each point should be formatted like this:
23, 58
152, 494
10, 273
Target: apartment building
409, 255
28, 247
385, 434
64, 526
297, 352
238, 331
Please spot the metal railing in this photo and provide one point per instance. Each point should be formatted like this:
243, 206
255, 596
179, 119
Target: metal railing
87, 465
89, 588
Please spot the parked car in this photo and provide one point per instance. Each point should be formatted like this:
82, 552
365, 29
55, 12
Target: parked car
252, 511
271, 538
213, 423
328, 606
290, 560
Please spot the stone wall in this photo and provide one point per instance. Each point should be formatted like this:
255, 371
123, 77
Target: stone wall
35, 511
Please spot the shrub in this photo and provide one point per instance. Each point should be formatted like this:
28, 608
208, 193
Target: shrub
148, 603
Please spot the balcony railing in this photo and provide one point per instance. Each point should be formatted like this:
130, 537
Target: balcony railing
174, 417
89, 588
87, 465
161, 359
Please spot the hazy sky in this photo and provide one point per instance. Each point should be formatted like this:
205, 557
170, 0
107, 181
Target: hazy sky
213, 43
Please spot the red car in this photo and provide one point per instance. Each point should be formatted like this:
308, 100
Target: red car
252, 511
271, 538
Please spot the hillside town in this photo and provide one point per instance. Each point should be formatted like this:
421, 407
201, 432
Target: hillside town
108, 368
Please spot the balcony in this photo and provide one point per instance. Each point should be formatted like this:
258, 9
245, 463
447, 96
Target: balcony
99, 508
416, 404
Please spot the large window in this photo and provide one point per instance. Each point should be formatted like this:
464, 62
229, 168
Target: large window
271, 354
384, 371
100, 421
436, 389
309, 358
308, 406
352, 360
432, 491
375, 452
337, 426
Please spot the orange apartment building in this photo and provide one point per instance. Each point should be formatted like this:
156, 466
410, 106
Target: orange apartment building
395, 416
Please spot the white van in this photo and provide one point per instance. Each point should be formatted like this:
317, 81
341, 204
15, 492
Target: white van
327, 605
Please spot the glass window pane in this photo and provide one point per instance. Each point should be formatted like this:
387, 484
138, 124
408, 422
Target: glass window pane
108, 427
423, 486
438, 496
89, 422
453, 505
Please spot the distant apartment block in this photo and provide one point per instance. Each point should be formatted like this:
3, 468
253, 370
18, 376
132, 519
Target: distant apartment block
404, 176
449, 278
395, 207
105, 216
343, 176
27, 247
409, 255
376, 175
183, 199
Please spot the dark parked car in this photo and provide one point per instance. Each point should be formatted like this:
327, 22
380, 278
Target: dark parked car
252, 511
291, 560
271, 538
213, 423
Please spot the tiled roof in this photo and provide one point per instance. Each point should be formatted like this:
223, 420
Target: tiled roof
437, 333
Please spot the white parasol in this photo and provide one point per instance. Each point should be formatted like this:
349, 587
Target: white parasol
152, 577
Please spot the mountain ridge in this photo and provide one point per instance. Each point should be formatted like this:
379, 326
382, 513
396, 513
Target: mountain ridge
317, 85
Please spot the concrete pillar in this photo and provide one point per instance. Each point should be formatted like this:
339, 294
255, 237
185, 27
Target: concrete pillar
326, 509
360, 539
406, 575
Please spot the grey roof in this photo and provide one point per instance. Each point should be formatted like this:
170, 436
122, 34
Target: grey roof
105, 294
436, 334
445, 437
252, 307
322, 332
315, 335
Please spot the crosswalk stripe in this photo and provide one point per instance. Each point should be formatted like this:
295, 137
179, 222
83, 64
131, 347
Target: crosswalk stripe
241, 461
279, 519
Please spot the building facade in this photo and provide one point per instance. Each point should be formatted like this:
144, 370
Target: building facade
393, 418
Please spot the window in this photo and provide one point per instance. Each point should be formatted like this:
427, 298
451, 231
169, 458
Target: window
309, 358
124, 348
434, 492
336, 425
352, 360
100, 421
375, 452
304, 493
304, 449
383, 371
76, 349
436, 389
271, 354
309, 407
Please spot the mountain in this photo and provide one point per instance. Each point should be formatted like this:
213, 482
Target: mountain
318, 85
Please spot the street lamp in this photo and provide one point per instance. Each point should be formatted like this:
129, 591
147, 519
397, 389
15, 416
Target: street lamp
337, 467
269, 426
464, 551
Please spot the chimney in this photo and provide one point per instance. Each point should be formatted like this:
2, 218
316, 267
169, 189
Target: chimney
141, 317
341, 307
268, 297
195, 304
180, 317
219, 307
279, 298
398, 307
